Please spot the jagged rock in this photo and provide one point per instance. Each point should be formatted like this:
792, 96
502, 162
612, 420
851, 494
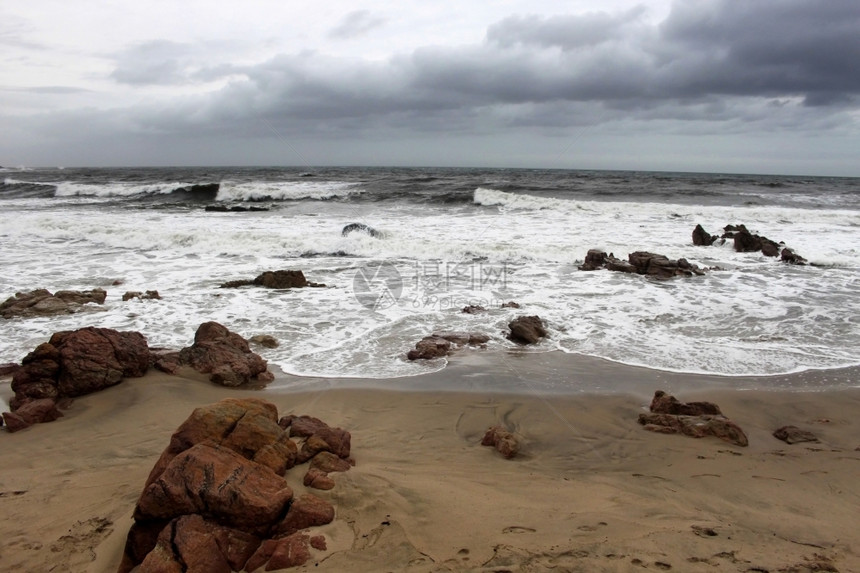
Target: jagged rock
702, 238
527, 330
594, 259
265, 340
148, 295
794, 435
473, 309
328, 462
792, 258
41, 302
195, 545
318, 480
225, 356
283, 279
695, 426
504, 441
306, 511
247, 426
663, 403
334, 440
660, 266
75, 363
32, 412
301, 426
218, 483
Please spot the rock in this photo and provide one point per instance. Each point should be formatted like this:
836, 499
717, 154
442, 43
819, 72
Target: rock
302, 426
473, 309
769, 249
594, 259
306, 511
8, 368
328, 462
442, 343
746, 242
430, 347
318, 542
702, 238
76, 363
527, 330
265, 340
41, 302
792, 258
247, 426
148, 295
794, 435
32, 412
218, 483
663, 403
92, 359
318, 480
659, 266
695, 426
284, 279
233, 209
510, 304
197, 545
696, 419
285, 553
361, 227
224, 355
334, 440
501, 439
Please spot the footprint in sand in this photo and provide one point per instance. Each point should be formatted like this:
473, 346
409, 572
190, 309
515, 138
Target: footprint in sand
518, 529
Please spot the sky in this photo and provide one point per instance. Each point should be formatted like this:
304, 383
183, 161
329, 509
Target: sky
739, 86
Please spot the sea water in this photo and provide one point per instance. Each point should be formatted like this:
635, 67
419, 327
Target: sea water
447, 238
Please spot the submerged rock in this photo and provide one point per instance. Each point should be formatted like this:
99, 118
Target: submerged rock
527, 330
640, 262
283, 279
362, 228
443, 343
41, 302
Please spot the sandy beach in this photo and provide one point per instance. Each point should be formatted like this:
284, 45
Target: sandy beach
590, 491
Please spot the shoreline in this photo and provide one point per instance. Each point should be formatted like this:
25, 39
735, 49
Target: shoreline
591, 490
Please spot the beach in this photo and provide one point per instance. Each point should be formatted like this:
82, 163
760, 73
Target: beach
591, 490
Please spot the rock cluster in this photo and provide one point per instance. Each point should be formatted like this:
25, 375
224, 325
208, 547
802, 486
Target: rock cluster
72, 364
217, 499
527, 330
41, 302
222, 354
275, 279
746, 242
695, 419
640, 262
441, 344
148, 295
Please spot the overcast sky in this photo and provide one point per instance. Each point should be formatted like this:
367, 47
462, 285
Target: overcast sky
763, 86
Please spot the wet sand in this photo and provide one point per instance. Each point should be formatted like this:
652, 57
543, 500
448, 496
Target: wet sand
591, 490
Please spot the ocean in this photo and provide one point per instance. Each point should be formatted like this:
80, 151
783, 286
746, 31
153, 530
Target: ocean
446, 238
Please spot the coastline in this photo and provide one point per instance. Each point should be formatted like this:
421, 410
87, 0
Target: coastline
591, 490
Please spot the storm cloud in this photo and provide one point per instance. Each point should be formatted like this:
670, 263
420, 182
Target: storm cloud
712, 68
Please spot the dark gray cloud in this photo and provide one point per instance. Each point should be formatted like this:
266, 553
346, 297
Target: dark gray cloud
355, 24
712, 67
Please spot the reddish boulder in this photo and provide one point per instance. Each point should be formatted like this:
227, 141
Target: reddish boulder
306, 511
318, 480
328, 462
301, 426
526, 330
695, 426
93, 359
247, 426
224, 355
501, 439
663, 403
334, 440
219, 484
8, 368
32, 412
284, 553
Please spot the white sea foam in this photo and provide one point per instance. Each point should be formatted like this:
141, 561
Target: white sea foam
75, 189
758, 316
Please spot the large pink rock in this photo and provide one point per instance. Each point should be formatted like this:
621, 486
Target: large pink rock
225, 356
